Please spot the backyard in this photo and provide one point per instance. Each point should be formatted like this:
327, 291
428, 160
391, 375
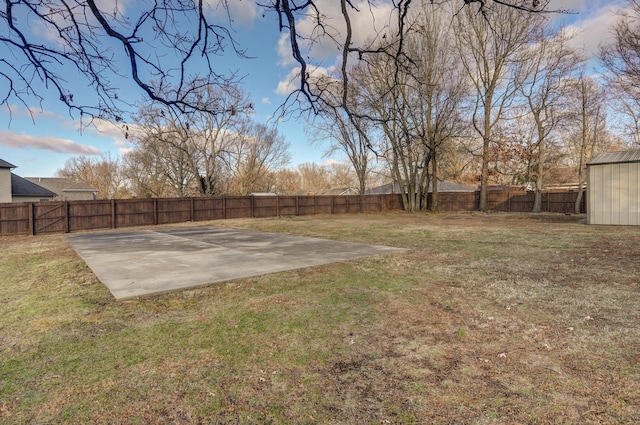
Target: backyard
486, 319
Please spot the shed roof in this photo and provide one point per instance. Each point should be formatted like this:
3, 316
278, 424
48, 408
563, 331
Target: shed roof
23, 187
632, 155
5, 164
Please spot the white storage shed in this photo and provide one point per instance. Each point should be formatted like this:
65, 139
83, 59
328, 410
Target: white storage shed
613, 188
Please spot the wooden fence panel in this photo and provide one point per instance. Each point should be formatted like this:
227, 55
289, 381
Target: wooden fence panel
562, 202
134, 212
238, 207
173, 210
325, 204
287, 205
456, 201
15, 219
89, 215
208, 209
306, 205
265, 206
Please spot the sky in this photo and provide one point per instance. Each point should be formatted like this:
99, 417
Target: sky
39, 143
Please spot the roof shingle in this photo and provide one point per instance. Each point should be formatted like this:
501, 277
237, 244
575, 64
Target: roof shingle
23, 187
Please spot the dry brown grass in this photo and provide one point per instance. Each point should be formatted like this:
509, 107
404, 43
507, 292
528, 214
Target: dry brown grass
487, 319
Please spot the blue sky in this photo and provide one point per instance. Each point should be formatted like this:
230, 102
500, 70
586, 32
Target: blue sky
40, 145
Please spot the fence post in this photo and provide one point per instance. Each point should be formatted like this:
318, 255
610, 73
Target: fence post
113, 213
32, 219
66, 216
253, 214
297, 205
277, 206
224, 207
155, 211
192, 212
548, 202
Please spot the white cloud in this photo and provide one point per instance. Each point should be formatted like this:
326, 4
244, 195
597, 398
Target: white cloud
266, 101
240, 12
11, 139
591, 22
366, 24
292, 81
48, 31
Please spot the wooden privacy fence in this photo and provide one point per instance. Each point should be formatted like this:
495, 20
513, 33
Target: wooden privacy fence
509, 201
68, 216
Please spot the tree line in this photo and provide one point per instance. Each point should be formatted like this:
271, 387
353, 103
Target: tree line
476, 91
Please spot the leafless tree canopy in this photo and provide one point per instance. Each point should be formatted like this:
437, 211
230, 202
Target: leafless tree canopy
49, 43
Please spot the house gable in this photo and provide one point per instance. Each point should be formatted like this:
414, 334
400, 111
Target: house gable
65, 189
22, 190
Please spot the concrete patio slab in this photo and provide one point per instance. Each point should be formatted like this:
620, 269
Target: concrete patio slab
144, 262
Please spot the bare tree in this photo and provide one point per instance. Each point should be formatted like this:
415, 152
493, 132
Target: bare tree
491, 45
255, 153
545, 72
287, 182
313, 177
102, 172
345, 138
189, 147
589, 132
100, 43
146, 176
388, 39
440, 87
622, 57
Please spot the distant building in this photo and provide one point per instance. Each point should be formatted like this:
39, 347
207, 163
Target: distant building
328, 192
561, 178
65, 189
14, 188
443, 186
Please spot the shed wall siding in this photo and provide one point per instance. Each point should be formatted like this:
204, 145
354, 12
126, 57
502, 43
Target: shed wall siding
614, 194
5, 185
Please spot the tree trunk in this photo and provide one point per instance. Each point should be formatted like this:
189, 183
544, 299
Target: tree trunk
434, 186
537, 202
484, 179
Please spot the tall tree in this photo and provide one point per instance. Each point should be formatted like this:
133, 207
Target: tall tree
589, 127
545, 72
440, 89
491, 45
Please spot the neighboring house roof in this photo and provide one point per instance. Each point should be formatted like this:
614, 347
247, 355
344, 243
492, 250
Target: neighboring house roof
632, 155
328, 192
443, 186
561, 178
61, 185
5, 164
23, 187
337, 191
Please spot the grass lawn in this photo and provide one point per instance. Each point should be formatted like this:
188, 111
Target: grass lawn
487, 319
